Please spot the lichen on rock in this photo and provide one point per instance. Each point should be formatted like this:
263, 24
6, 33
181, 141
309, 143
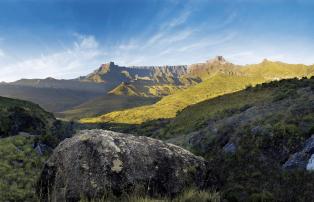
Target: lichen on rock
95, 163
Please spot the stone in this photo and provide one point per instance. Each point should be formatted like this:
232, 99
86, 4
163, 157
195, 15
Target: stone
230, 148
303, 159
309, 145
40, 148
310, 164
95, 163
296, 161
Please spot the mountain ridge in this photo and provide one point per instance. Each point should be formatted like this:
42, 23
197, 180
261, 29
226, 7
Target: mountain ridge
217, 77
149, 81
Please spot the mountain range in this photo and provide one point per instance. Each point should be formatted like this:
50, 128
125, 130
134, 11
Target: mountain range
137, 94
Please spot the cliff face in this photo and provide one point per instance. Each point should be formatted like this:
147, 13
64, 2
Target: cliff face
158, 74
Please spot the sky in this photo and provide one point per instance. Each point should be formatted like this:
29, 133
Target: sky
69, 38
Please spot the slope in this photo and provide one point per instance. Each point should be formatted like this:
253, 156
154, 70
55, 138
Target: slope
27, 136
218, 77
278, 70
258, 141
105, 104
168, 106
125, 89
51, 99
22, 116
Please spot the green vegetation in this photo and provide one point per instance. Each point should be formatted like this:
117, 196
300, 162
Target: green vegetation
266, 123
22, 116
105, 104
20, 166
168, 106
18, 116
278, 70
217, 79
28, 135
164, 90
126, 90
190, 195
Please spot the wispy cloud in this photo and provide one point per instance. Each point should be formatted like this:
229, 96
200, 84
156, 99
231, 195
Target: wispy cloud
175, 40
208, 41
86, 42
179, 20
78, 59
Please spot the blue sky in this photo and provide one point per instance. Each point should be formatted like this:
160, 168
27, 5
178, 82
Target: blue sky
69, 38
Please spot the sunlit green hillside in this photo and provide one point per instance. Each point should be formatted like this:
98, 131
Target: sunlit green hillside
278, 70
168, 106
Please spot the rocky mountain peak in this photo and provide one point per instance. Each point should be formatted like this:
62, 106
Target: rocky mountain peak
217, 59
104, 68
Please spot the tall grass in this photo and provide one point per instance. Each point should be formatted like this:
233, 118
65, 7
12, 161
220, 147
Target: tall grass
190, 195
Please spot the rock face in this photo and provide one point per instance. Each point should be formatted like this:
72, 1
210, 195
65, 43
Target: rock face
158, 74
303, 159
97, 162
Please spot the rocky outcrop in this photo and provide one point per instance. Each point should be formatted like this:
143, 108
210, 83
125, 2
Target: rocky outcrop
303, 159
111, 72
97, 162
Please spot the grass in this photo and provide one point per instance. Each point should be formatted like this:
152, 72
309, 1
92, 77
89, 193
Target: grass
20, 166
22, 116
105, 104
278, 70
189, 195
170, 105
164, 90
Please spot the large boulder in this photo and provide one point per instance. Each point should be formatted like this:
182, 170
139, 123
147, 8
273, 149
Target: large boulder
95, 163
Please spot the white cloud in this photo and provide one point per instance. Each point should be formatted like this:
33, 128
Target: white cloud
82, 57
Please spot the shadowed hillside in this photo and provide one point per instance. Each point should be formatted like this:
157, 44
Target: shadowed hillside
105, 104
28, 135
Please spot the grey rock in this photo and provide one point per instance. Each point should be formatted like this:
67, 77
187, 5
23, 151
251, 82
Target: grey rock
302, 159
259, 130
296, 161
310, 164
40, 148
94, 163
309, 145
230, 148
